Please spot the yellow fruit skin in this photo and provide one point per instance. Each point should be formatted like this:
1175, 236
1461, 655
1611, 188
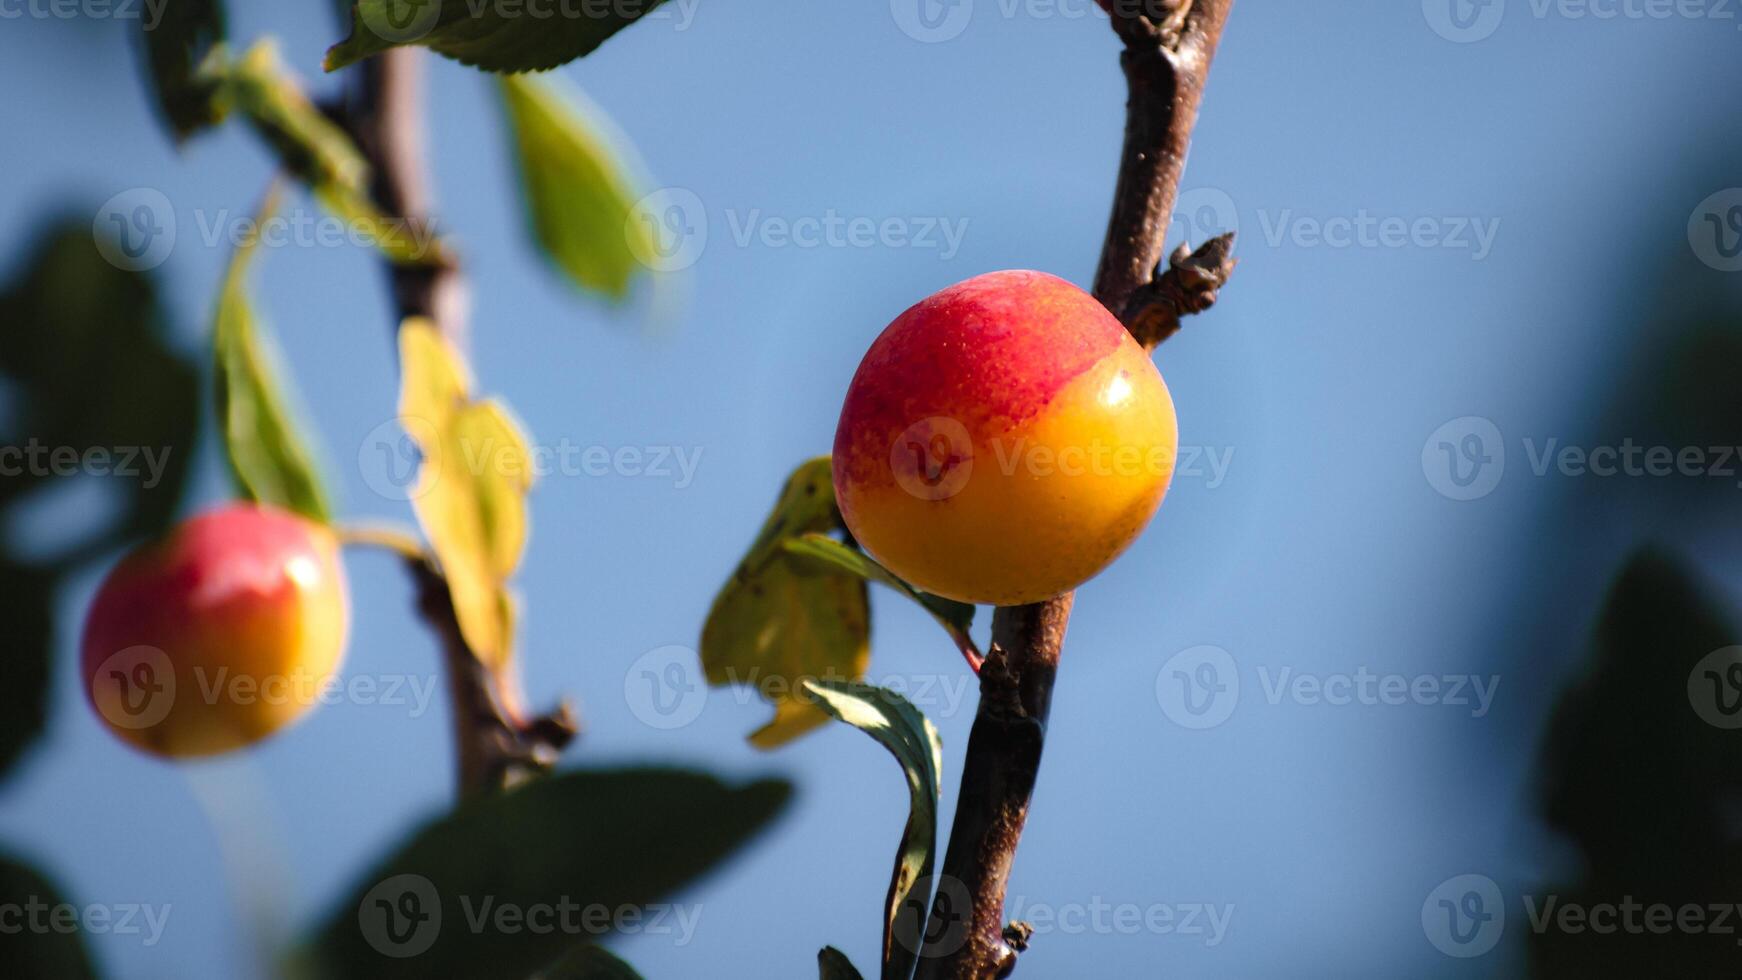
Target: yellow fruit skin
1004, 441
213, 638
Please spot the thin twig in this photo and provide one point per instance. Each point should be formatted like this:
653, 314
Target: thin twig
1166, 60
494, 746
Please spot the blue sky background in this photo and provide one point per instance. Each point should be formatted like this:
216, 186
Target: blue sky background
1323, 370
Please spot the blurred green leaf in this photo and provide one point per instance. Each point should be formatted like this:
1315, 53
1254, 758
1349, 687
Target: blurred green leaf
315, 150
184, 54
1642, 771
588, 963
832, 964
494, 37
456, 900
820, 550
471, 487
268, 453
909, 736
774, 623
97, 394
577, 198
36, 947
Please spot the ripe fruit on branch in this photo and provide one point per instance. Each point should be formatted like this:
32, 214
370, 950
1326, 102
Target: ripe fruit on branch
217, 635
1003, 441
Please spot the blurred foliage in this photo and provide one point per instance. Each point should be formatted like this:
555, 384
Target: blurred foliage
588, 963
84, 357
578, 200
496, 37
583, 839
263, 440
40, 943
1648, 790
183, 46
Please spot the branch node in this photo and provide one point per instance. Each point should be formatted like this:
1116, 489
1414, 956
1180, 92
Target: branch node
1188, 285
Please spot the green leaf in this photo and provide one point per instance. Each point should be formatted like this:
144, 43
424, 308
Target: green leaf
319, 153
588, 963
88, 370
493, 36
909, 736
576, 196
269, 457
472, 482
820, 550
460, 898
33, 953
184, 55
774, 622
832, 964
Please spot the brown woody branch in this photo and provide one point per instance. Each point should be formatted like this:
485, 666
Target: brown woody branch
1168, 49
494, 746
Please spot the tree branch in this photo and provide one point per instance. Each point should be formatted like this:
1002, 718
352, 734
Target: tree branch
494, 746
1166, 60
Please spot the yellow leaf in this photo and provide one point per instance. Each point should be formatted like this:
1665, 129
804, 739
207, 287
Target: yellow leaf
777, 622
471, 489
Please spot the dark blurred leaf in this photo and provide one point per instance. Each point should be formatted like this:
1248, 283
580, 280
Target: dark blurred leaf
832, 964
1640, 776
580, 840
588, 963
494, 37
183, 50
268, 453
97, 388
820, 550
36, 945
909, 736
577, 197
775, 623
